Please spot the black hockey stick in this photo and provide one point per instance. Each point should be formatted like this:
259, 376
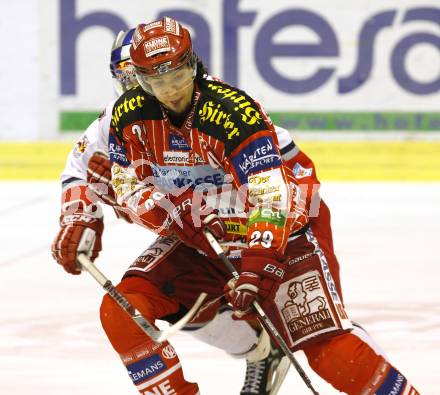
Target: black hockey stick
157, 335
265, 320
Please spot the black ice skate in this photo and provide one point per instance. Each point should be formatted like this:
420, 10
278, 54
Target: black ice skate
265, 377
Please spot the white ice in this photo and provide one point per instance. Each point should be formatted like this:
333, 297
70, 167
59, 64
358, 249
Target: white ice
387, 238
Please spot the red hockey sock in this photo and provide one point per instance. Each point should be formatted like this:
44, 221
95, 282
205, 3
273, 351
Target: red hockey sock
155, 370
122, 331
350, 365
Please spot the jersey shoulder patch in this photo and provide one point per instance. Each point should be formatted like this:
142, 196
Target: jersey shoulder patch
134, 105
228, 114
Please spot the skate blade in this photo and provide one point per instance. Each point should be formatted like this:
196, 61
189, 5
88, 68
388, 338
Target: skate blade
280, 375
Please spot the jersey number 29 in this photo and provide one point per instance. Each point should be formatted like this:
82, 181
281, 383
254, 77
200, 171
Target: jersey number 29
264, 238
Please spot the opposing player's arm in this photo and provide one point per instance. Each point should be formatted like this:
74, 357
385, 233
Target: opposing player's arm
79, 204
94, 139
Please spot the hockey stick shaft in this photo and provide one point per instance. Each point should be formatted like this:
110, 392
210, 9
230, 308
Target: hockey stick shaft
265, 320
120, 299
150, 330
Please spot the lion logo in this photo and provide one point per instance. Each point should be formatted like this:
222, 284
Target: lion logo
299, 304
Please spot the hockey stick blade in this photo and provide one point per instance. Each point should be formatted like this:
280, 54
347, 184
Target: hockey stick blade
262, 316
157, 335
172, 329
280, 374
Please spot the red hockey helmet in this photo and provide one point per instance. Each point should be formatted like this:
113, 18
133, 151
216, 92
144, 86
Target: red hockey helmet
160, 47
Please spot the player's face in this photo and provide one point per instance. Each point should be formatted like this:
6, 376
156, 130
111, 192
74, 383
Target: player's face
174, 89
124, 76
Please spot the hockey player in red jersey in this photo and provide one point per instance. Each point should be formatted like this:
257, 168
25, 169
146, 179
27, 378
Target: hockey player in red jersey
85, 181
183, 139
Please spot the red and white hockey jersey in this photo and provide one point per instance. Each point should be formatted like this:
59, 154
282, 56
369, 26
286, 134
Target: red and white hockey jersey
226, 144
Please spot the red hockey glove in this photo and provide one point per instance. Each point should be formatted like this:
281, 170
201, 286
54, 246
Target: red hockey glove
99, 176
80, 231
261, 275
122, 214
190, 217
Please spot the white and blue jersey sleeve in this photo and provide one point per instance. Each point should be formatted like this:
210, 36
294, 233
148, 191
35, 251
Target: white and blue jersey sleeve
95, 138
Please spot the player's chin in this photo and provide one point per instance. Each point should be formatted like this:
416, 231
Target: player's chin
168, 104
176, 106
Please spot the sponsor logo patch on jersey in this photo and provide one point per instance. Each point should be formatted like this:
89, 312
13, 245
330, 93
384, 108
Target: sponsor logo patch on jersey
122, 108
178, 143
259, 155
258, 179
145, 369
117, 152
248, 111
212, 113
236, 228
267, 187
173, 157
301, 172
267, 215
81, 146
168, 178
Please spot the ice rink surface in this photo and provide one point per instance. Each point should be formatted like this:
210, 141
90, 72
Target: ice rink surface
387, 238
